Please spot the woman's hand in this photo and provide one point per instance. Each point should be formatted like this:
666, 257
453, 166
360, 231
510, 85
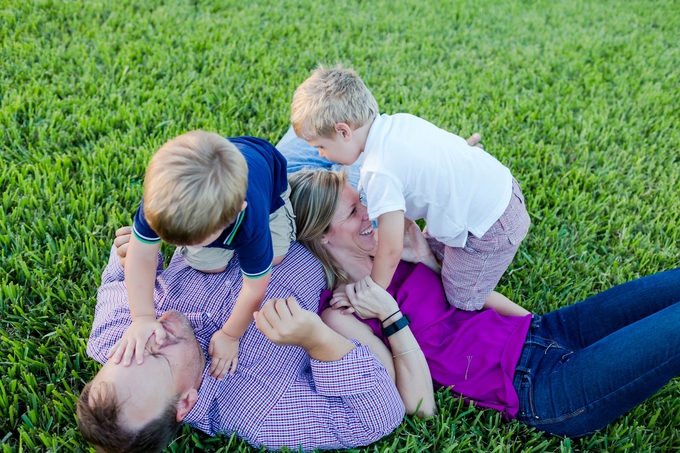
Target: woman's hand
416, 249
474, 140
369, 300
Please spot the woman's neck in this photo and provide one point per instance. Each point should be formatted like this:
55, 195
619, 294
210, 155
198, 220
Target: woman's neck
356, 266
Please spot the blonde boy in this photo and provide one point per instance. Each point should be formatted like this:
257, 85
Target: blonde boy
211, 196
473, 207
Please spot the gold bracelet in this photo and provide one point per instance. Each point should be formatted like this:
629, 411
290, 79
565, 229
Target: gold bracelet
404, 353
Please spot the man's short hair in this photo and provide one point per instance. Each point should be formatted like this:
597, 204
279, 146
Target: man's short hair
328, 97
195, 185
100, 424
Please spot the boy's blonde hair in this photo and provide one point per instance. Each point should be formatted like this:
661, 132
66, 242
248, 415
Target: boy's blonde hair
195, 185
328, 97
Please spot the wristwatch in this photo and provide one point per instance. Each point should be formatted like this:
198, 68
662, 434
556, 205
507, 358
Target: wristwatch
396, 326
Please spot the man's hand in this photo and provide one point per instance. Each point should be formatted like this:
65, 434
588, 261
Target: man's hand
121, 242
285, 323
223, 350
134, 340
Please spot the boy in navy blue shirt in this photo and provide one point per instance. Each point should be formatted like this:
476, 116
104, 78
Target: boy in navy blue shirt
211, 196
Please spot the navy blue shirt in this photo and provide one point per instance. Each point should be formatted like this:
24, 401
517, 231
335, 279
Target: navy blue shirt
249, 235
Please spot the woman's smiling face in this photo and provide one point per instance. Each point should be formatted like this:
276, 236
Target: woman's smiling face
351, 231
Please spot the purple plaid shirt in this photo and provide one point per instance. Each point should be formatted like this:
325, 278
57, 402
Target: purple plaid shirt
279, 396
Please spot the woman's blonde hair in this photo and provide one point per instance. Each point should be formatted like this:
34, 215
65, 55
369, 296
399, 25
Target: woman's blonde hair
315, 195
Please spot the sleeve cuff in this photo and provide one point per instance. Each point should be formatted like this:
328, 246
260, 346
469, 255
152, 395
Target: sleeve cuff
354, 374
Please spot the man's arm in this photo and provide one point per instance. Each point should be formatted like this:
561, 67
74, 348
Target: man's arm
390, 246
350, 384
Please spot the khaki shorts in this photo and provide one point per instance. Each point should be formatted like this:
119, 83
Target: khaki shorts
281, 225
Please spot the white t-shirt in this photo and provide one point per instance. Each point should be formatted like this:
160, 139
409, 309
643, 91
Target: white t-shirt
413, 166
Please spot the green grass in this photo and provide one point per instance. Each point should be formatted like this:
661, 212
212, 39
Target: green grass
581, 99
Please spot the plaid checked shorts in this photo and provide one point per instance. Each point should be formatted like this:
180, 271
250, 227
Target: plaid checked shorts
470, 273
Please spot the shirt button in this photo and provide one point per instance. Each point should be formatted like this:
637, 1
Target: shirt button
536, 417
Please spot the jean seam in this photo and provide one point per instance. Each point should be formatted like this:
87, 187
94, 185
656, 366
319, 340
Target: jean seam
592, 403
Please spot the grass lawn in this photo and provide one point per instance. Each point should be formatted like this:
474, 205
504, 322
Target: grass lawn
581, 99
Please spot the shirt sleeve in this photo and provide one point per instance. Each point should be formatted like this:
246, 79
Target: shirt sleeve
384, 193
256, 256
112, 313
366, 388
348, 403
141, 228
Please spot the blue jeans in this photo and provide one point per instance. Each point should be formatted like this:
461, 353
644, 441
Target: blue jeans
586, 364
301, 154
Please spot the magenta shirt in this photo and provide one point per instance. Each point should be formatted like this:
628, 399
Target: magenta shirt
474, 352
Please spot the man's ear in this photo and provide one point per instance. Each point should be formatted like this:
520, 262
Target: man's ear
243, 205
186, 403
345, 131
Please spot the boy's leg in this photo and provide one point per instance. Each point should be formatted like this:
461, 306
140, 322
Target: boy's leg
206, 259
282, 227
470, 274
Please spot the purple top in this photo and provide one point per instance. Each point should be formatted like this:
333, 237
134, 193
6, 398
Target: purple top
474, 352
279, 396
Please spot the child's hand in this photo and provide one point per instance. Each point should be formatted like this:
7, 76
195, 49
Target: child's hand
223, 350
134, 340
340, 301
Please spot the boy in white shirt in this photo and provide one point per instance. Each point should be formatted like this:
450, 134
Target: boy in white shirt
473, 207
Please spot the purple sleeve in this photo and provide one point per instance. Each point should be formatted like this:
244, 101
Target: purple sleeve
141, 228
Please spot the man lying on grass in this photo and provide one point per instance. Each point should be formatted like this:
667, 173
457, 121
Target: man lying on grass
320, 391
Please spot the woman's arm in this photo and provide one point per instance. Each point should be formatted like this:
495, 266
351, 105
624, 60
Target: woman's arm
408, 364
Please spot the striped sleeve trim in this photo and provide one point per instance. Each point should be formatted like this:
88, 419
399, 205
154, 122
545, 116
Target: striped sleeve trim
238, 221
146, 240
259, 274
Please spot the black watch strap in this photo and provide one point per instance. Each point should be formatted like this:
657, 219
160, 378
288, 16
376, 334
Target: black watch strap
396, 326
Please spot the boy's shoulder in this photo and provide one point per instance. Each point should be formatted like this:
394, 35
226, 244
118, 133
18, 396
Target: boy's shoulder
403, 130
250, 143
260, 156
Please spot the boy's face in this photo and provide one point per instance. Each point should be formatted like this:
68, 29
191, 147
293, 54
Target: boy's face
344, 148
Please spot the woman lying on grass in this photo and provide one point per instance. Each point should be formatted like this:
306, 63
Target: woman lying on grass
568, 372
